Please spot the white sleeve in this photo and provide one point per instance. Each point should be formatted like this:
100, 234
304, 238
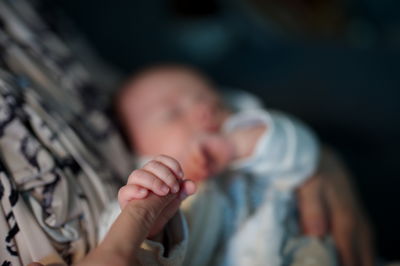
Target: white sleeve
287, 152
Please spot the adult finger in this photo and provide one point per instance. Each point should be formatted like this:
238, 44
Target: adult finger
365, 247
344, 219
164, 217
188, 188
344, 234
312, 208
134, 224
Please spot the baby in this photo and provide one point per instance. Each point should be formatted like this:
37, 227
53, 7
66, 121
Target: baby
175, 111
246, 164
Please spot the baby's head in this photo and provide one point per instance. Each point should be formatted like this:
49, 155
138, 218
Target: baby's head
164, 109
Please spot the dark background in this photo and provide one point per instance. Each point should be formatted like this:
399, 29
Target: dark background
343, 78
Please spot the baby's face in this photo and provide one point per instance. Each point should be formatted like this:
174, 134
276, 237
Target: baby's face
168, 112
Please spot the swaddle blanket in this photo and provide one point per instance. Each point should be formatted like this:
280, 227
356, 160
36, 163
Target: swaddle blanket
285, 156
245, 216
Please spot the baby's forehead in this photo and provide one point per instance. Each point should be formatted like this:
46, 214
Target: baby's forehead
167, 82
161, 87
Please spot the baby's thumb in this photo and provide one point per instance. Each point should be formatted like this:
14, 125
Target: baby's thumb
312, 208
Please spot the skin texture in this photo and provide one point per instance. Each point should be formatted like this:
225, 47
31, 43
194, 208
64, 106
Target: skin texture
140, 218
161, 176
328, 203
175, 111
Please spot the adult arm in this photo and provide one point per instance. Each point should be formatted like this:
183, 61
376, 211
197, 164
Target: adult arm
121, 245
329, 205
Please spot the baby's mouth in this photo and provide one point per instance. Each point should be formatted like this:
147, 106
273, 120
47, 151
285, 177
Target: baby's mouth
213, 127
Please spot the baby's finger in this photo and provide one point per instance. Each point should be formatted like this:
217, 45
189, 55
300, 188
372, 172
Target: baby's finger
131, 192
171, 163
188, 187
146, 179
164, 173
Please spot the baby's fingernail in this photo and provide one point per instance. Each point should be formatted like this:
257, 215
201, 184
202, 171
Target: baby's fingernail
165, 189
175, 188
181, 174
142, 190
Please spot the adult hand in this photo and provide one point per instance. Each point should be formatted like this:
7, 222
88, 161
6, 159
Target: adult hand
132, 226
130, 229
329, 205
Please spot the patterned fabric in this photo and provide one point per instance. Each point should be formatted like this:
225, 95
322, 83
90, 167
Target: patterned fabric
61, 160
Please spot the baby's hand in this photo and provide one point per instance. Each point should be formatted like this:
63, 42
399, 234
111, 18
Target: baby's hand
162, 175
207, 156
244, 140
